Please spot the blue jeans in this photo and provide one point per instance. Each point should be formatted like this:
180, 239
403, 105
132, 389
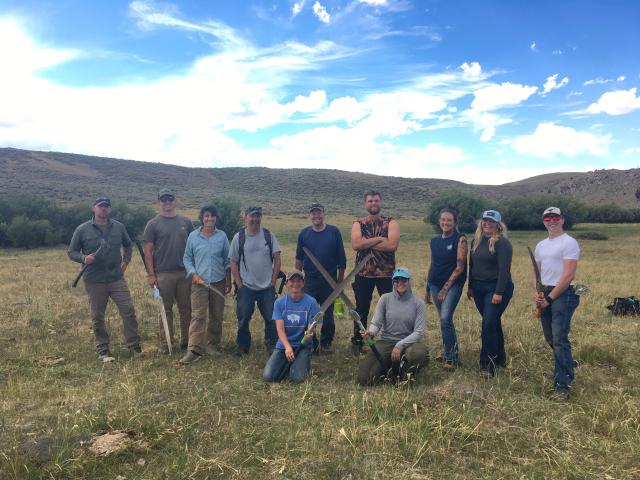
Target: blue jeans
319, 289
245, 305
277, 362
445, 312
492, 353
556, 323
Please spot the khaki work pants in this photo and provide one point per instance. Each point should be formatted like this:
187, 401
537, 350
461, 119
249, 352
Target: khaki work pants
370, 371
99, 294
201, 332
175, 288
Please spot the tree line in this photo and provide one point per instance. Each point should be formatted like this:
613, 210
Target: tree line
31, 221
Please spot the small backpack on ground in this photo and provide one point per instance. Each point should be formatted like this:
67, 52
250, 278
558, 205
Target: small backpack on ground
625, 306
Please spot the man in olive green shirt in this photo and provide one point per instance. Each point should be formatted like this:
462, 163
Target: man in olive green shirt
98, 243
165, 238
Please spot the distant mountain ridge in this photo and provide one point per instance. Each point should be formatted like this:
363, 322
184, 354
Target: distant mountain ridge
72, 178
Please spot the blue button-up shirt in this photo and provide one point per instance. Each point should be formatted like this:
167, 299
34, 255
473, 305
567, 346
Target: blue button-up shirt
208, 257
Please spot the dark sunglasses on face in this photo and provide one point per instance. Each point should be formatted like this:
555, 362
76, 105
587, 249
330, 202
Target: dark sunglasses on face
167, 199
551, 218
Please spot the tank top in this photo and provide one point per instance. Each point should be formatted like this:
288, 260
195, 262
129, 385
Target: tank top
383, 263
444, 259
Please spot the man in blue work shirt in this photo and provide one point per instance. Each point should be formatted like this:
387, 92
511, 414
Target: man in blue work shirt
325, 243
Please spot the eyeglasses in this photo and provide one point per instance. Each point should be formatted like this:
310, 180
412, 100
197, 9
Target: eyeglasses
167, 199
551, 218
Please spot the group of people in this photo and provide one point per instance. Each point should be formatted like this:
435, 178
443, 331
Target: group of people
194, 268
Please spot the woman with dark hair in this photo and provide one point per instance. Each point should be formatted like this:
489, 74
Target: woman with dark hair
491, 287
446, 277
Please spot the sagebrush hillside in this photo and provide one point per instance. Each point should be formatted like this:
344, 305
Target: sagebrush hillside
69, 178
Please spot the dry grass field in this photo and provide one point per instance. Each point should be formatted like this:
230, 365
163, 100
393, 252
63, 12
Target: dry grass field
217, 419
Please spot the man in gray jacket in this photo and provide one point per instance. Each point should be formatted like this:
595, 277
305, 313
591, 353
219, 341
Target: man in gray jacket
400, 316
98, 243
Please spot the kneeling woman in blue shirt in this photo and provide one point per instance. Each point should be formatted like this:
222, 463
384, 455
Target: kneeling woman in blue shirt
293, 313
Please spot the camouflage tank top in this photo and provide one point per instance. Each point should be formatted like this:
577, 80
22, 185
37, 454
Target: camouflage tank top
383, 263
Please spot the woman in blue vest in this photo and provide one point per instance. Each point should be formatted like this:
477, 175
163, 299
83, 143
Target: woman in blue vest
447, 274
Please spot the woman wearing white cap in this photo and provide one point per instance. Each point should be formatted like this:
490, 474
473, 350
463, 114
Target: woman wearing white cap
399, 316
491, 287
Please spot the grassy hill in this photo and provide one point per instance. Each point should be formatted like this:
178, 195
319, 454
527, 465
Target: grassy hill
71, 178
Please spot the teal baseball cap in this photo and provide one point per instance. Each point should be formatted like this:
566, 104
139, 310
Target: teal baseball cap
401, 272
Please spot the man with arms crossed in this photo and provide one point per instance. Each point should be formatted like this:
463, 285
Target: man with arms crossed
325, 243
165, 238
255, 265
557, 257
380, 235
104, 276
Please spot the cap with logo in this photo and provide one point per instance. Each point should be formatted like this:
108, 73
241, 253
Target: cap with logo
492, 215
315, 206
253, 211
552, 211
166, 192
295, 273
103, 201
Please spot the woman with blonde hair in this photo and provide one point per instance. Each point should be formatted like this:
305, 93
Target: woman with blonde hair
491, 287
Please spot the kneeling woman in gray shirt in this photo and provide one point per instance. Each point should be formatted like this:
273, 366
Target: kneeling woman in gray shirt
400, 317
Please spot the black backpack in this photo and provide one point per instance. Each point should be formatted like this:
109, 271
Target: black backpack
625, 306
242, 238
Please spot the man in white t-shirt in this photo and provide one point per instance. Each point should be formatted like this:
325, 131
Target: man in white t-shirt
557, 258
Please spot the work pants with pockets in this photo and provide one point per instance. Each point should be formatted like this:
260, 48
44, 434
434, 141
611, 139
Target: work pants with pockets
363, 290
370, 371
203, 333
118, 291
175, 288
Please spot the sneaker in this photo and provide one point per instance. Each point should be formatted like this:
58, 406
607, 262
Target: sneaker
486, 373
560, 395
136, 352
213, 351
106, 356
190, 357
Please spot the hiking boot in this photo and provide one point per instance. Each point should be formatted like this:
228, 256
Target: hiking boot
325, 350
449, 366
136, 352
105, 356
213, 351
190, 357
439, 358
239, 352
560, 395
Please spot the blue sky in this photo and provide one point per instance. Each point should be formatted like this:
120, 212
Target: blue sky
476, 91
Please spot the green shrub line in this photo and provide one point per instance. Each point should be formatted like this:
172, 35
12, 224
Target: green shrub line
30, 221
526, 213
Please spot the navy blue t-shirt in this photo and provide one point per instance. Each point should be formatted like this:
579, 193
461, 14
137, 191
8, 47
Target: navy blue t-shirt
444, 254
326, 246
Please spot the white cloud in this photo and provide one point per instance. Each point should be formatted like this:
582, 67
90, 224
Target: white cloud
378, 3
297, 7
618, 102
556, 52
321, 12
549, 139
631, 151
551, 84
504, 95
533, 47
488, 133
472, 69
603, 81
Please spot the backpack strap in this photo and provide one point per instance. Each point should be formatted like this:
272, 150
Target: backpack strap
242, 238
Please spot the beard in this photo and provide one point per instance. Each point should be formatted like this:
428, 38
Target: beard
373, 210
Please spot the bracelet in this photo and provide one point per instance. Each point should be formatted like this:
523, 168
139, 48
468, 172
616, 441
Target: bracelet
548, 299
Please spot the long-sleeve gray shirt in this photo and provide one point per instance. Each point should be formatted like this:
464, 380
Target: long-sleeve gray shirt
400, 317
106, 266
